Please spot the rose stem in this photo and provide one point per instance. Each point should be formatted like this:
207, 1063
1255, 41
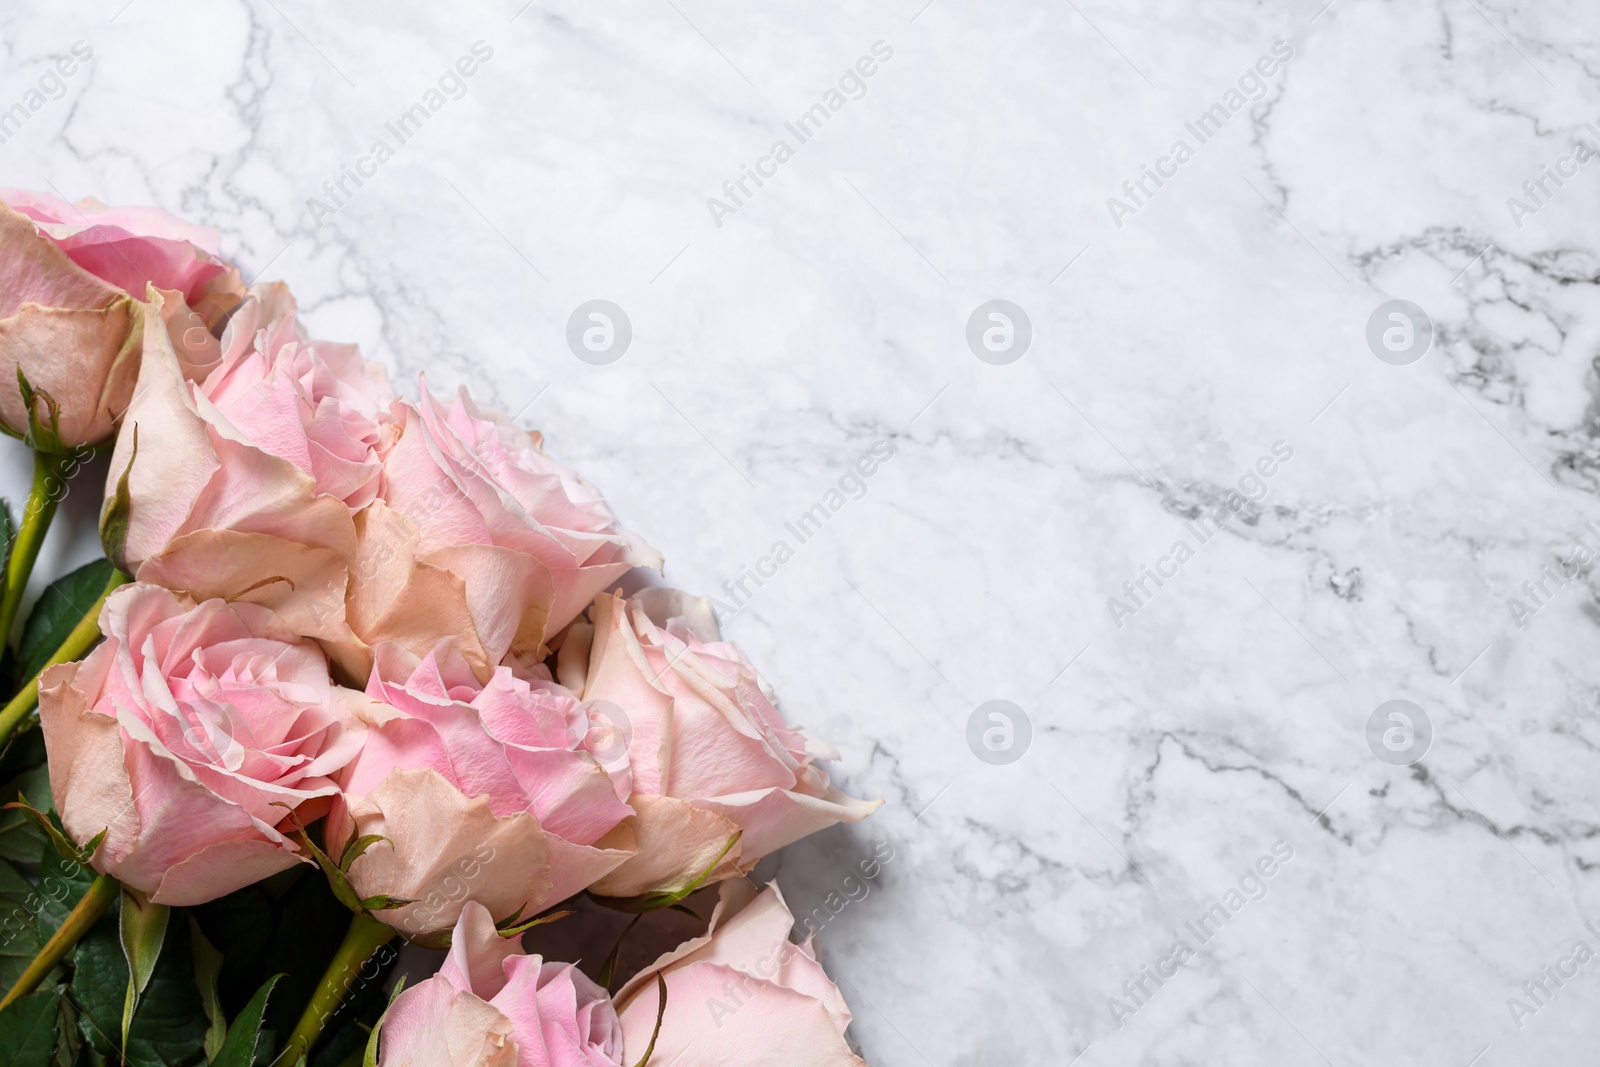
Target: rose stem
76, 644
101, 892
49, 479
365, 936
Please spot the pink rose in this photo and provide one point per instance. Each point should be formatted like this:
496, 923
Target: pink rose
242, 477
190, 736
489, 790
741, 994
711, 755
482, 535
72, 277
133, 248
492, 1006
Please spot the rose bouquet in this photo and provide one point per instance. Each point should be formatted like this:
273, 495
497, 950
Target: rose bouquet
355, 673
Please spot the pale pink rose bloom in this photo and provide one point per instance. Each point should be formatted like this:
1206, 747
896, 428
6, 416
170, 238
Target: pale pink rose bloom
710, 753
243, 476
72, 278
317, 404
480, 534
491, 1006
130, 247
491, 791
195, 735
741, 994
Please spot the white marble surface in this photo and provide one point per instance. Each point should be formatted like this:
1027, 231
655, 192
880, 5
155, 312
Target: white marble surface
1226, 313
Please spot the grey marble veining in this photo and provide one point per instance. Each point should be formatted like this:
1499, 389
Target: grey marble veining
1179, 336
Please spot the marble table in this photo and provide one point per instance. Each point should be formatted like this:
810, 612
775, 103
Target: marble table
1309, 289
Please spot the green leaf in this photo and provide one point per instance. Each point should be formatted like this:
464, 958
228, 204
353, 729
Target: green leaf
19, 837
23, 753
69, 1043
244, 1036
20, 905
28, 1030
241, 927
142, 927
207, 966
118, 509
61, 607
170, 1027
62, 883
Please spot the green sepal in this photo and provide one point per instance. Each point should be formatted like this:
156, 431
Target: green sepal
118, 510
40, 438
67, 850
609, 970
656, 901
516, 929
661, 1012
337, 881
142, 928
370, 1057
356, 847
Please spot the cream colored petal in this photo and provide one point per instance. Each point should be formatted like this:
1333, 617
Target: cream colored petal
395, 596
304, 585
574, 868
176, 459
433, 1024
773, 818
441, 849
759, 1023
675, 841
220, 869
88, 777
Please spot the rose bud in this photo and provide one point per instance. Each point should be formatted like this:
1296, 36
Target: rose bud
491, 1006
482, 790
199, 737
710, 754
481, 534
242, 484
742, 993
74, 278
